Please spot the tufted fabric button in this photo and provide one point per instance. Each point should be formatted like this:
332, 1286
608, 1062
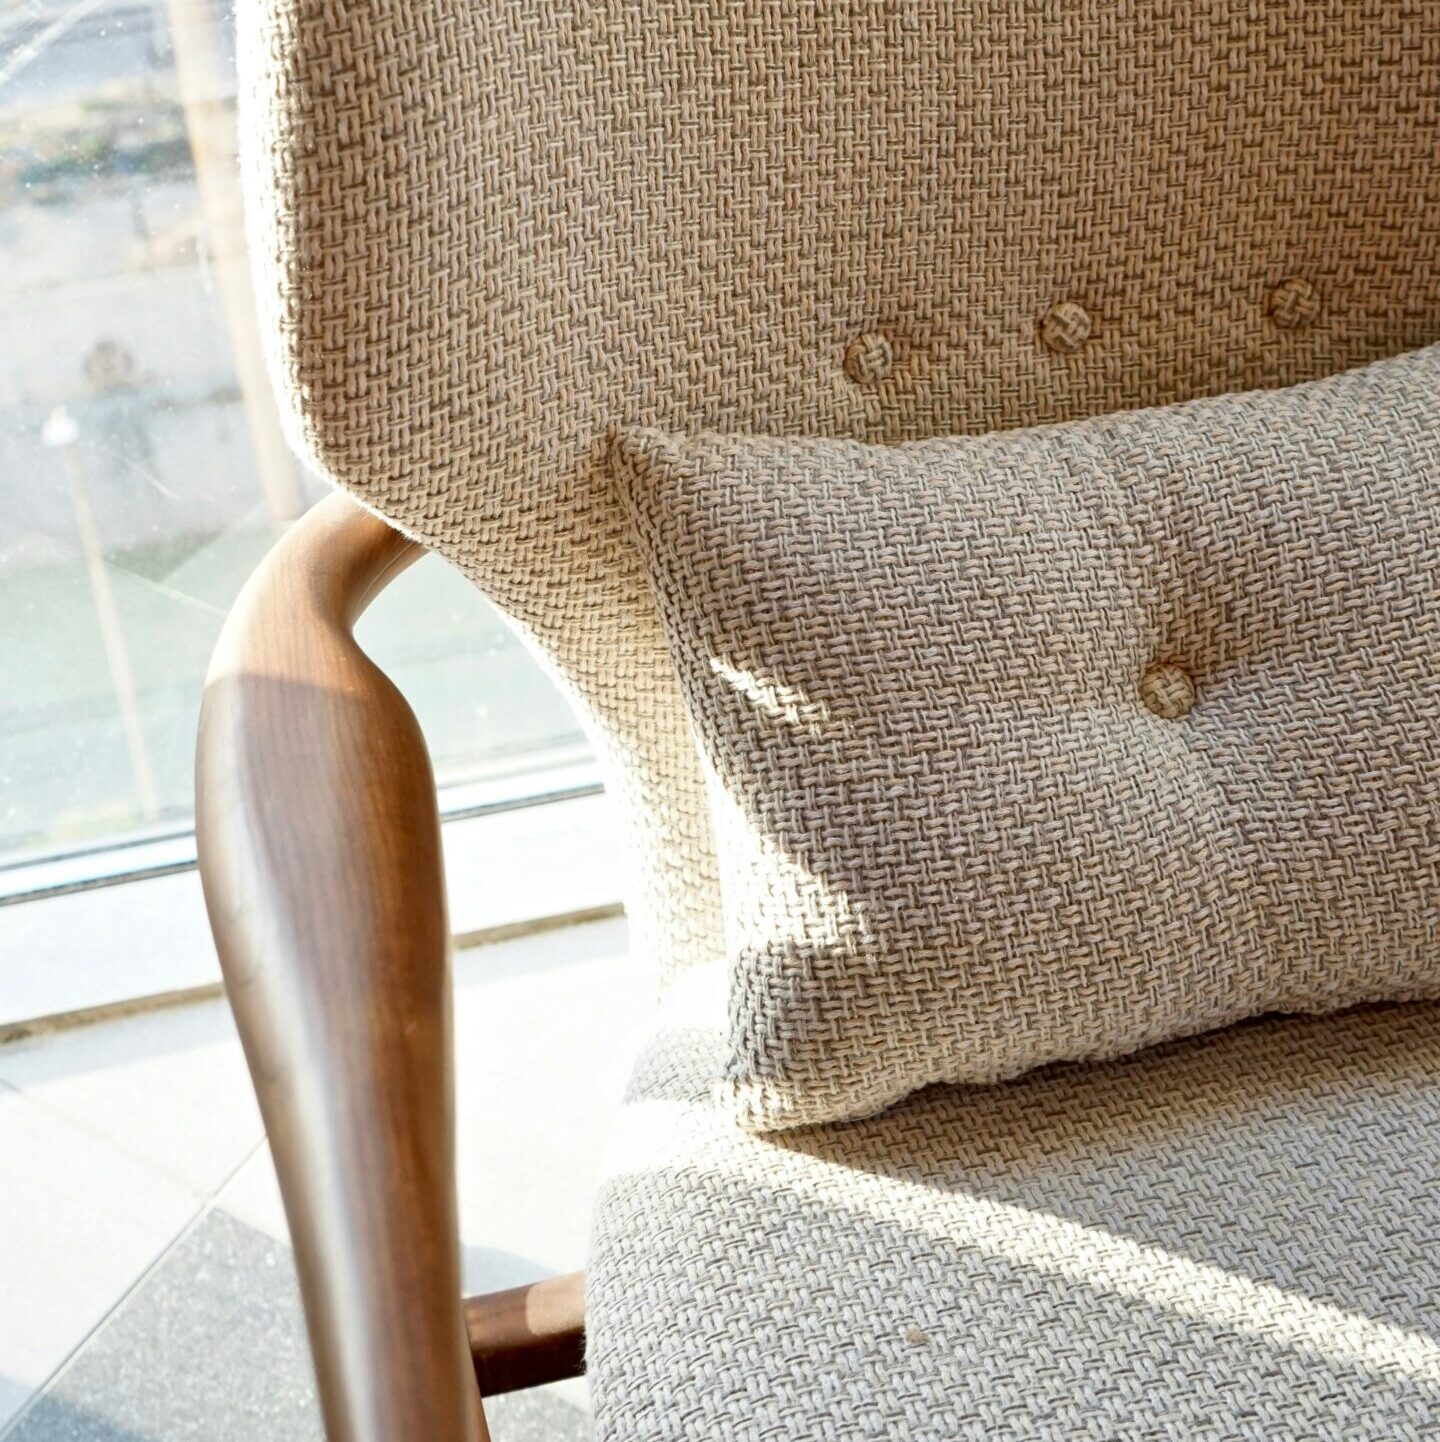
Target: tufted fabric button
1167, 690
1293, 303
1066, 326
869, 358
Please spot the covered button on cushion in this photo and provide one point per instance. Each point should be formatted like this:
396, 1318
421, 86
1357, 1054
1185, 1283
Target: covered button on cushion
1056, 743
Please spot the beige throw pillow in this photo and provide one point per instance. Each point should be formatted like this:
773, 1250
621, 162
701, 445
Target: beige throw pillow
1056, 743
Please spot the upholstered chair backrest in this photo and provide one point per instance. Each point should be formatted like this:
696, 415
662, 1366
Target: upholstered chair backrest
489, 231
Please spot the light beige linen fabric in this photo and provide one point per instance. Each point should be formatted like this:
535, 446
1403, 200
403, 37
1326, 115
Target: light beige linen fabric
1230, 1239
1053, 744
485, 232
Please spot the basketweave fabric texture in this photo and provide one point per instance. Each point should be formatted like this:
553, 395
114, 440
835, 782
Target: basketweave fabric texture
1056, 743
485, 232
1228, 1239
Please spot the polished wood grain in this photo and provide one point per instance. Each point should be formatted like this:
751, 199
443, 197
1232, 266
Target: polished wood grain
320, 853
528, 1335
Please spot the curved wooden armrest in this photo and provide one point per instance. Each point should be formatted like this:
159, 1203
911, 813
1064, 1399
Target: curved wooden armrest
320, 854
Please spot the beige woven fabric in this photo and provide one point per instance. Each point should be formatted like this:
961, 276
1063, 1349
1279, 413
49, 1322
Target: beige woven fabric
485, 232
1056, 743
1226, 1240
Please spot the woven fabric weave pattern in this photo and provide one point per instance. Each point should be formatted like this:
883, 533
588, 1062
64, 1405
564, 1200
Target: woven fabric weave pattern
1230, 1239
487, 231
1055, 743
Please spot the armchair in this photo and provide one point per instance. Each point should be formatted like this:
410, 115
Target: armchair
486, 234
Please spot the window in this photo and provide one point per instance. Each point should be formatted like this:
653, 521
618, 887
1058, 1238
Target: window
141, 459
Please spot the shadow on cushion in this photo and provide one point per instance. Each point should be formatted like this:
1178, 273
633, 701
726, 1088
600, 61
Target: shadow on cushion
1228, 1237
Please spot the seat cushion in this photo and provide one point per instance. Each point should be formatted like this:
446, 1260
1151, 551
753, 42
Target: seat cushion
1226, 1237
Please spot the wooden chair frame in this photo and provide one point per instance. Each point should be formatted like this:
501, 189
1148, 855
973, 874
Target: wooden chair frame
319, 843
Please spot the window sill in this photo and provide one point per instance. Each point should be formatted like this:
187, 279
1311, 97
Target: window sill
72, 948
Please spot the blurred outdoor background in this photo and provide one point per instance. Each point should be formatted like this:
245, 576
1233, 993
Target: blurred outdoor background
142, 472
147, 1289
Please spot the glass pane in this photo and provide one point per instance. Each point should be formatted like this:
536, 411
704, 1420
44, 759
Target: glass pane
141, 463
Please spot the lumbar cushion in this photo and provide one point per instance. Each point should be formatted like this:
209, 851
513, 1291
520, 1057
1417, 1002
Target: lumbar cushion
1055, 743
